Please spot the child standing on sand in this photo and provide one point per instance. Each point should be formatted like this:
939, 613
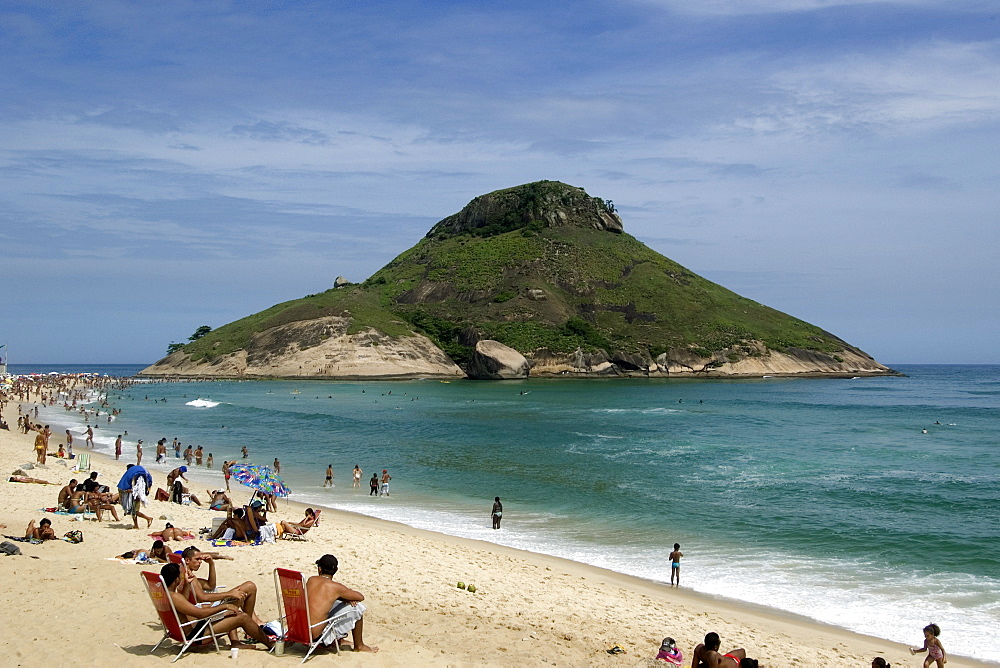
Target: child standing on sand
933, 647
675, 564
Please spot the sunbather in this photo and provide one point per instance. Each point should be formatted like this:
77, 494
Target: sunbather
301, 527
244, 595
236, 620
707, 654
327, 597
43, 531
65, 493
244, 528
219, 500
171, 533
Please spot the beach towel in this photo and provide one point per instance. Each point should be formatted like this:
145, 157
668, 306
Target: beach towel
22, 539
222, 542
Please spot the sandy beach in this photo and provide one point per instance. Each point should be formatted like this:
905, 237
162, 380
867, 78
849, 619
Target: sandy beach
71, 601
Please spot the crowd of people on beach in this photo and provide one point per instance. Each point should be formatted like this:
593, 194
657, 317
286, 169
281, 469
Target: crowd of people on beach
198, 598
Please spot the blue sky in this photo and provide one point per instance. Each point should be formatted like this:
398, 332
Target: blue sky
168, 165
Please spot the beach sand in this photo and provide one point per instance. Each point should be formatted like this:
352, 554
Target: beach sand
68, 602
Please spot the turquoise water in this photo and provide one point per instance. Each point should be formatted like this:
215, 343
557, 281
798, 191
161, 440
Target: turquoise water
817, 496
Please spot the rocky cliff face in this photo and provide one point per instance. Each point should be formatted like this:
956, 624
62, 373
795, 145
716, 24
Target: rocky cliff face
686, 363
319, 348
540, 204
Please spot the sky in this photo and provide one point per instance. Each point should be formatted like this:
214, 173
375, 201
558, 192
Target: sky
170, 165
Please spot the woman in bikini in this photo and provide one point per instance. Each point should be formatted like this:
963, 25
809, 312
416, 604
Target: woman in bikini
299, 528
707, 655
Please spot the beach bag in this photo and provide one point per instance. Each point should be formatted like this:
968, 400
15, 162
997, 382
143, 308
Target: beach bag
75, 536
9, 548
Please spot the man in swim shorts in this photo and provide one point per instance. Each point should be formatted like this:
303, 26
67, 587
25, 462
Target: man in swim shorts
328, 598
329, 476
707, 654
675, 564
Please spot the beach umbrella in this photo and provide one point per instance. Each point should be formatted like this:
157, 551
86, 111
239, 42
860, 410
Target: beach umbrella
261, 478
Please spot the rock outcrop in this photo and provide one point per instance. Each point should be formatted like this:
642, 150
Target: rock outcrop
319, 348
540, 204
493, 360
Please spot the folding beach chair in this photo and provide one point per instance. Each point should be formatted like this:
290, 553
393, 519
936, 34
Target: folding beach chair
302, 536
172, 626
83, 461
293, 599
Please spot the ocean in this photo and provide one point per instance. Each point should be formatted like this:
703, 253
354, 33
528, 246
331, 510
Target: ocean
821, 497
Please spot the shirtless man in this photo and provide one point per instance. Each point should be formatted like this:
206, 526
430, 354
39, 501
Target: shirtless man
161, 450
328, 597
118, 447
329, 476
65, 493
277, 465
707, 654
69, 441
245, 595
175, 474
675, 564
90, 437
178, 584
385, 483
244, 528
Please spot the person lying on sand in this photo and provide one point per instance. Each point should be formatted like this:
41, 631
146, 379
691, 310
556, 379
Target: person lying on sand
177, 582
707, 655
171, 533
328, 597
24, 478
43, 531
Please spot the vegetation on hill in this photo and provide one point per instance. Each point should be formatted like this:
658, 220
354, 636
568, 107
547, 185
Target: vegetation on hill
540, 266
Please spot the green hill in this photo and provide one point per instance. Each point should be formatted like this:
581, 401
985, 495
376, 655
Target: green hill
547, 270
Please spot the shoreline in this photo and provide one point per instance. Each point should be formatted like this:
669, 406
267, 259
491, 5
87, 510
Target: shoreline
409, 577
694, 375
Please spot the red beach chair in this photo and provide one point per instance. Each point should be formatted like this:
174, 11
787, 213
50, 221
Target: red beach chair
172, 626
293, 599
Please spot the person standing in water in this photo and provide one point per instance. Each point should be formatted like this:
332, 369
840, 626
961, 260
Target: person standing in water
373, 483
329, 476
385, 483
277, 465
675, 564
357, 476
497, 512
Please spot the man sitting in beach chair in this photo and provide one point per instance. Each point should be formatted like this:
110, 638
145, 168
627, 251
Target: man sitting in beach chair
244, 595
328, 599
176, 583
